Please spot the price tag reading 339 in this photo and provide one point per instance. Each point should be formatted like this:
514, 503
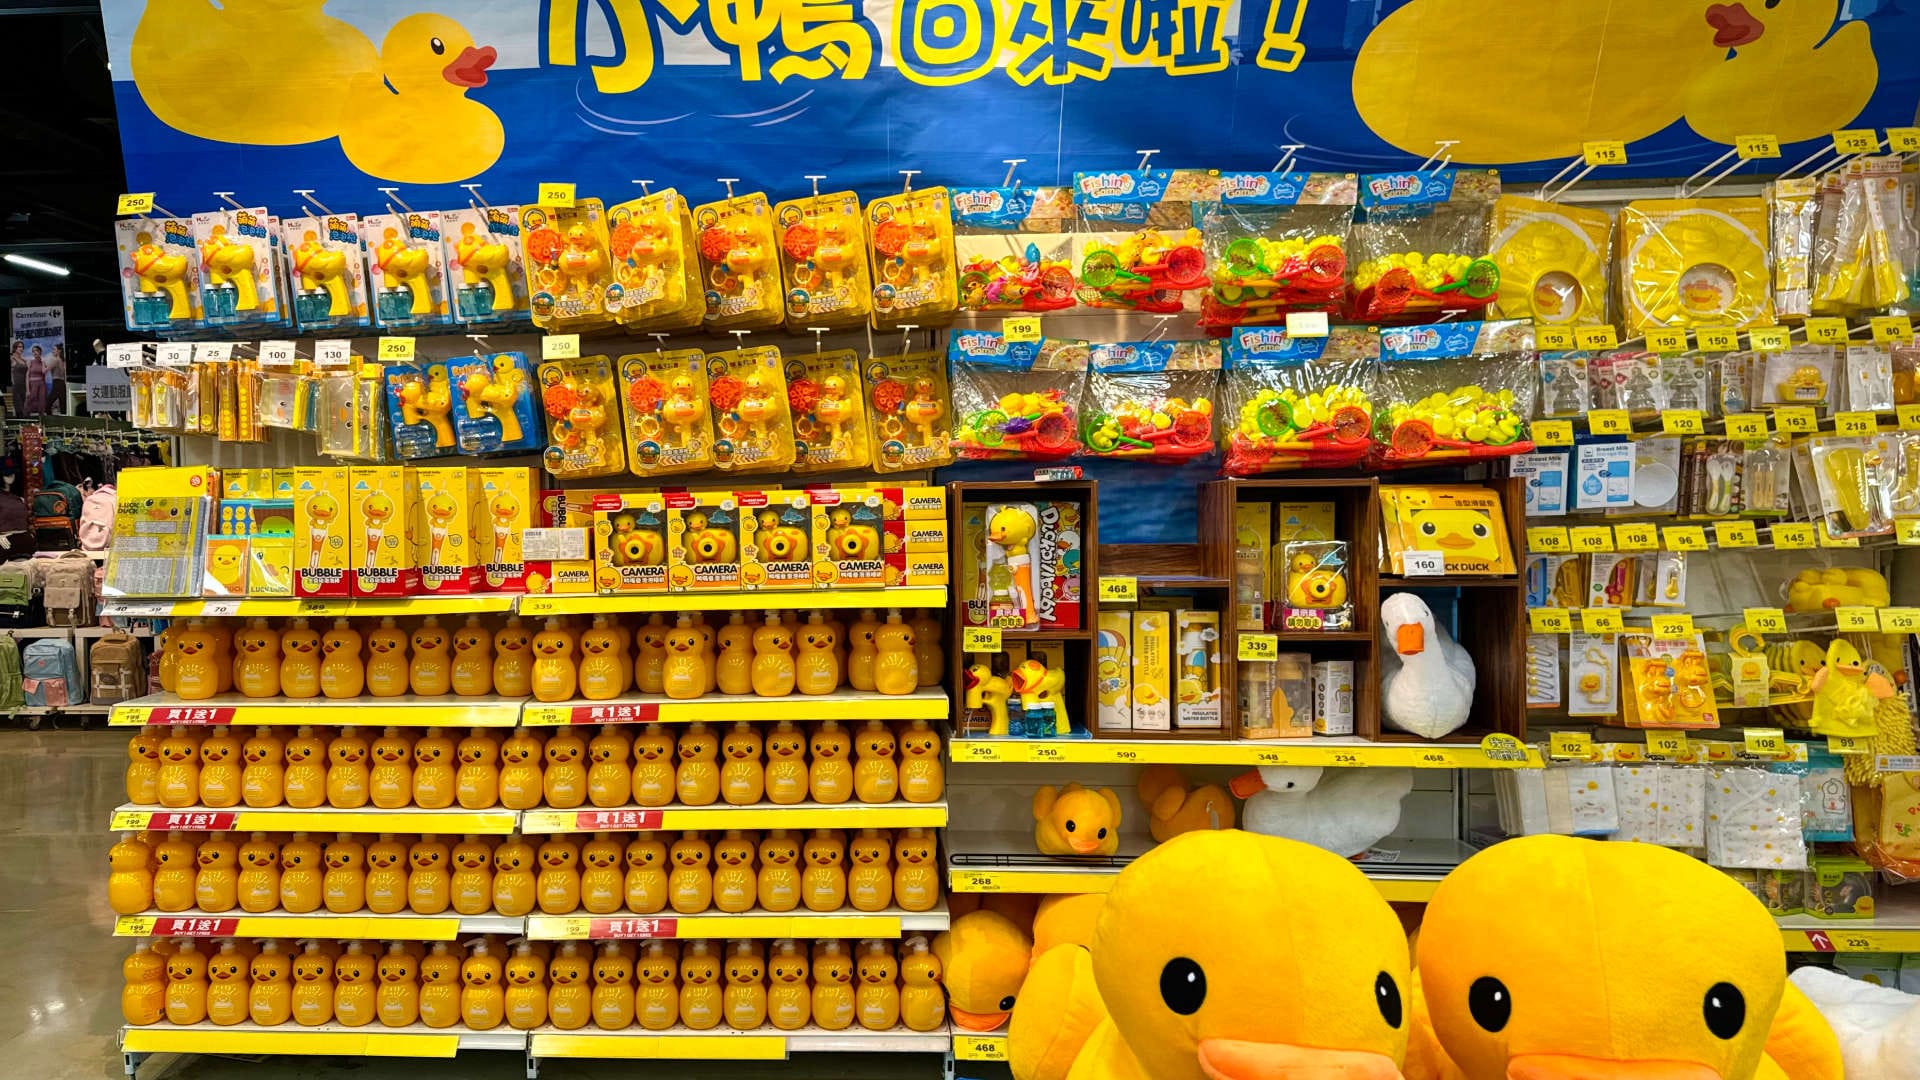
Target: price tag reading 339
1259, 647
560, 347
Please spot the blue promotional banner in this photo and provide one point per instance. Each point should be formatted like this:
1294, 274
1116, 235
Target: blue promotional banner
267, 96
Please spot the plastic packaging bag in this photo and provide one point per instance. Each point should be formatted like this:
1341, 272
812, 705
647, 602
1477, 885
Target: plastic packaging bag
1553, 261
1455, 390
910, 410
1753, 820
752, 421
1151, 399
1420, 245
1296, 403
1792, 208
493, 408
1014, 248
486, 270
910, 237
1016, 399
1276, 243
1137, 247
583, 418
1862, 251
1695, 262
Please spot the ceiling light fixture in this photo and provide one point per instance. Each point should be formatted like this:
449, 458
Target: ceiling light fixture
32, 263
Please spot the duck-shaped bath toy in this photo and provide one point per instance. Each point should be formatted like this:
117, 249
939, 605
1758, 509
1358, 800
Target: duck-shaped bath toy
407, 117
1426, 683
1846, 695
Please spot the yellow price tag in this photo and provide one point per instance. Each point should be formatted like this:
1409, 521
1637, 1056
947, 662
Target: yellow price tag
980, 639
134, 202
1861, 619
1553, 433
560, 195
1909, 417
1751, 147
1892, 329
1791, 536
1682, 422
1768, 338
1906, 531
1550, 620
1849, 744
1855, 141
1855, 423
395, 349
1764, 620
1570, 746
1020, 328
560, 347
1828, 540
1667, 340
1747, 426
1717, 339
1827, 331
1553, 338
1591, 538
1899, 620
980, 1047
1306, 324
1903, 140
1119, 590
1259, 647
1736, 534
1636, 537
1601, 620
1604, 152
133, 926
1596, 337
1666, 744
1610, 422
1684, 537
1798, 419
1770, 741
1542, 538
1673, 627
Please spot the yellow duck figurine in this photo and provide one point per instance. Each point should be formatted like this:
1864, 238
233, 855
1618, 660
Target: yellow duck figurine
1174, 808
923, 1007
876, 779
1076, 821
408, 119
658, 1005
653, 767
1583, 985
895, 668
745, 999
789, 1000
743, 781
513, 882
830, 777
645, 885
1845, 695
786, 764
778, 884
701, 999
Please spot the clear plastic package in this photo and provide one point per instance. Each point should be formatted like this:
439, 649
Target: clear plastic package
239, 272
652, 244
495, 411
1151, 399
1802, 375
583, 418
1627, 379
830, 430
668, 426
1792, 208
1015, 248
406, 269
419, 399
1276, 243
823, 261
1455, 390
1868, 378
910, 410
738, 264
327, 272
1553, 261
570, 281
1695, 262
1564, 389
910, 240
752, 421
1855, 479
1420, 246
1753, 820
1297, 402
1863, 249
1016, 400
486, 266
1138, 248
1315, 595
159, 273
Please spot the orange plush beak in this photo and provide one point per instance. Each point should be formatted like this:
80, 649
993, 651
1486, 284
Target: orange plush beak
1410, 639
977, 1021
1567, 1067
1238, 1059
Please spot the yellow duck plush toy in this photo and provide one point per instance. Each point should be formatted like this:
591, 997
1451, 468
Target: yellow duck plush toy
983, 960
1076, 821
1846, 695
1194, 976
1174, 808
1577, 983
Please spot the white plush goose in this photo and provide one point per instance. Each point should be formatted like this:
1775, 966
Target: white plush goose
1426, 684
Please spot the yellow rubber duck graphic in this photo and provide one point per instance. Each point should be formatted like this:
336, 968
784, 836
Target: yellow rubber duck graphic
409, 119
1628, 68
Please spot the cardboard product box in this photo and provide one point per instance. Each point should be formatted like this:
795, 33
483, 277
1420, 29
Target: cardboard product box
246, 483
165, 482
565, 539
780, 556
378, 513
270, 566
445, 530
970, 589
1333, 697
706, 531
1057, 557
505, 507
226, 569
924, 503
1197, 671
323, 521
630, 543
1113, 685
925, 569
849, 538
1252, 564
1152, 670
1840, 887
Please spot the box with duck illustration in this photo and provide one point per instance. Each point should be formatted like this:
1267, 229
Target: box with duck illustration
1057, 557
780, 555
630, 543
379, 511
1464, 523
851, 539
502, 512
444, 529
706, 531
320, 498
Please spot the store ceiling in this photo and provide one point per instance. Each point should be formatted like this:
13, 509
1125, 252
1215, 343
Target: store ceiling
61, 169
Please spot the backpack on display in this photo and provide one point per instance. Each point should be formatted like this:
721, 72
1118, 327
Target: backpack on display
16, 528
66, 589
117, 670
50, 674
53, 521
19, 606
96, 519
11, 696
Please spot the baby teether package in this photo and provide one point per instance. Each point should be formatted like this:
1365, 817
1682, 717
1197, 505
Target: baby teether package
239, 276
1455, 390
406, 269
829, 415
1015, 399
914, 275
1420, 244
1297, 402
907, 406
651, 241
1151, 399
1276, 243
1015, 248
669, 426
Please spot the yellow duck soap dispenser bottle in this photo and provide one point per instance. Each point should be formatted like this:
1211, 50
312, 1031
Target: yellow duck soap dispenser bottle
179, 775
612, 988
684, 674
609, 779
270, 999
433, 776
743, 779
916, 881
397, 998
219, 769
197, 667
342, 674
779, 879
390, 782
653, 767
143, 991
431, 672
477, 784
429, 885
521, 785
745, 998
304, 781
558, 885
773, 669
645, 885
701, 1000
347, 779
878, 997
526, 997
312, 986
602, 674
823, 885
227, 988
472, 671
259, 883
512, 660
265, 761
554, 677
344, 886
482, 1000
565, 780
733, 668
926, 649
472, 884
569, 1000
876, 779
734, 886
790, 999
895, 670
387, 665
830, 777
650, 661
186, 985
174, 872
513, 882
601, 886
923, 778
817, 668
354, 996
690, 886
386, 875
832, 986
923, 1007
129, 880
786, 764
440, 987
299, 662
863, 652
257, 671
696, 779
216, 886
658, 1005
143, 768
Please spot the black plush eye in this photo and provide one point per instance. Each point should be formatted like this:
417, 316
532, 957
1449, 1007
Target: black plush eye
1070, 825
1490, 1003
1183, 986
1102, 835
1006, 1003
439, 47
1725, 1010
1387, 995
1429, 528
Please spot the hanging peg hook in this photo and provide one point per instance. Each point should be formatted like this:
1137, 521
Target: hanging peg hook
1687, 191
729, 181
1145, 156
1288, 150
1011, 163
816, 178
474, 197
739, 339
479, 340
1160, 321
307, 194
906, 185
906, 336
646, 186
227, 197
394, 194
657, 337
